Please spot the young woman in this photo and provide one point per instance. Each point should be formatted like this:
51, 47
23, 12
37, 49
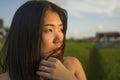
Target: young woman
35, 45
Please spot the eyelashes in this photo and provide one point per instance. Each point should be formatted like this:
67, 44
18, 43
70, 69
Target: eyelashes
51, 30
47, 30
61, 29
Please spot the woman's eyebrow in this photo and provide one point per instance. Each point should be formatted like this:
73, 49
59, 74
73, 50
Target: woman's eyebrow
61, 25
48, 25
52, 25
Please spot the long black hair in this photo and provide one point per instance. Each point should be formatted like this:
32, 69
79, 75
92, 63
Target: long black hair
21, 51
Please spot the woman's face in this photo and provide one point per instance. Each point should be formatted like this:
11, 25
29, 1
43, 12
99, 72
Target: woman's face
52, 33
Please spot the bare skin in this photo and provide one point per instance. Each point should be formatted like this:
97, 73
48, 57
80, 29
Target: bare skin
75, 67
4, 76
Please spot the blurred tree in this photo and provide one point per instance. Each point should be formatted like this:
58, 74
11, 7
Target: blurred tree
1, 23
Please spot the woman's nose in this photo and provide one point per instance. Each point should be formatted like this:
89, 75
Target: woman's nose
57, 38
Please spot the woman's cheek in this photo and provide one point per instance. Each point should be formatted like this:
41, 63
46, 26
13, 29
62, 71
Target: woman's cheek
48, 39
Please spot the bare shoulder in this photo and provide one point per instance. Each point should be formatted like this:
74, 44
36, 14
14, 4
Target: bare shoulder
71, 60
74, 65
4, 76
71, 63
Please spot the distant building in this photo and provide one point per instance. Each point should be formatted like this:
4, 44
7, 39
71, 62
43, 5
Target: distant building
107, 39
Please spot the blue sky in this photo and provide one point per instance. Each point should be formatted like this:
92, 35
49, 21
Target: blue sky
85, 17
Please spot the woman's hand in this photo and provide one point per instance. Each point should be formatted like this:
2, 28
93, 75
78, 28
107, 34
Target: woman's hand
54, 69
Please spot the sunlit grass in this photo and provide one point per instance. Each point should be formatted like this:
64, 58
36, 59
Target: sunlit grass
111, 62
106, 61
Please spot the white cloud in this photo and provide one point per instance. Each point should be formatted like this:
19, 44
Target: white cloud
77, 7
103, 28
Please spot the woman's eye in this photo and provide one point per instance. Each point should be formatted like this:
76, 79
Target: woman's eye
47, 30
61, 29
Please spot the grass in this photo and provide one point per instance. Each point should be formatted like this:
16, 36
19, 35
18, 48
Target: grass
99, 64
1, 44
111, 63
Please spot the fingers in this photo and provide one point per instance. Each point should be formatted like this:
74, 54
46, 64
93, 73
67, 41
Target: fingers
54, 60
48, 67
47, 75
46, 63
51, 62
45, 69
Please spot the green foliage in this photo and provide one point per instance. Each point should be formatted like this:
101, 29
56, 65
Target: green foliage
111, 63
1, 23
99, 64
1, 44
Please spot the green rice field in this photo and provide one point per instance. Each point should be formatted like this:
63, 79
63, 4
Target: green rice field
98, 63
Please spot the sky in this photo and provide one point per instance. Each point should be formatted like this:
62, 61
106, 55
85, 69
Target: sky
85, 17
